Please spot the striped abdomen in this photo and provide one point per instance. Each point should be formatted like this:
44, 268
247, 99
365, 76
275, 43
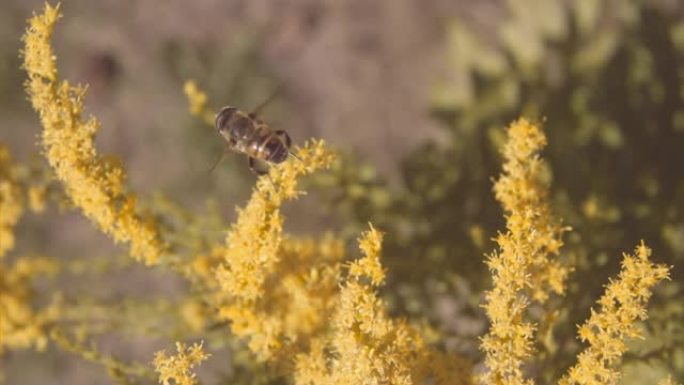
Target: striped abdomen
250, 136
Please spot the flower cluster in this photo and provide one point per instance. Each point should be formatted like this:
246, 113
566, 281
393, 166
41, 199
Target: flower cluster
95, 184
177, 369
267, 278
365, 345
622, 305
197, 101
522, 269
11, 201
23, 327
280, 292
298, 303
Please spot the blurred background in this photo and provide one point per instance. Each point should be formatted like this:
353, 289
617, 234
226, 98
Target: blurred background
415, 94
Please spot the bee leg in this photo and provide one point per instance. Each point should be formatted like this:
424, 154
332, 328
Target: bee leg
254, 169
258, 172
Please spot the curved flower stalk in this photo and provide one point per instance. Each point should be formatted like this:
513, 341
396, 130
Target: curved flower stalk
119, 371
11, 201
522, 269
93, 183
622, 305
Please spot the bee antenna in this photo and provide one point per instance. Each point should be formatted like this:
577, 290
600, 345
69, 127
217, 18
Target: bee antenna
292, 154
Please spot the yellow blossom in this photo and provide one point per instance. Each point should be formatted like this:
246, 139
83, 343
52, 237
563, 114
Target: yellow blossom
367, 346
369, 266
252, 242
197, 102
668, 381
606, 331
93, 183
36, 195
272, 293
522, 269
298, 296
22, 326
11, 201
194, 314
177, 370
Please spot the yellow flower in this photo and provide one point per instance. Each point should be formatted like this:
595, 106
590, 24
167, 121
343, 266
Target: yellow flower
606, 331
276, 288
365, 345
11, 201
177, 370
23, 327
668, 381
252, 242
522, 269
298, 297
195, 315
36, 195
369, 266
93, 183
197, 102
525, 200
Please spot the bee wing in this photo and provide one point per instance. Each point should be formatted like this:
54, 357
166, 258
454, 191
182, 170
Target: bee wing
263, 104
261, 170
219, 159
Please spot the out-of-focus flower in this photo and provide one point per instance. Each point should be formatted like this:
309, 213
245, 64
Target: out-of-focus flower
36, 198
668, 381
197, 102
11, 201
22, 326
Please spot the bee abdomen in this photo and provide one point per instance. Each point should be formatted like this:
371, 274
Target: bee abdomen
273, 149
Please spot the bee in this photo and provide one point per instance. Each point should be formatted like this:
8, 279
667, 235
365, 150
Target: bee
249, 135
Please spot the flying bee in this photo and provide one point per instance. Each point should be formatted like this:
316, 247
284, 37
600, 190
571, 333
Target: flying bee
249, 135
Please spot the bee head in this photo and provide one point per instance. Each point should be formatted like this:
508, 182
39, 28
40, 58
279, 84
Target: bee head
223, 117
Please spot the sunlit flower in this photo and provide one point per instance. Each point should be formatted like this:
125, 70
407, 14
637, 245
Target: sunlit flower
272, 293
607, 330
177, 369
522, 268
366, 346
95, 184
